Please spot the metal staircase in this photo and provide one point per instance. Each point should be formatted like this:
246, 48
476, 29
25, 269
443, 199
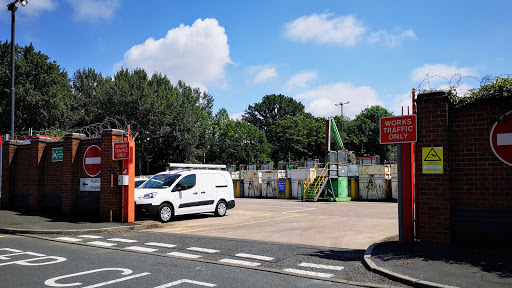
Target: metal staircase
316, 182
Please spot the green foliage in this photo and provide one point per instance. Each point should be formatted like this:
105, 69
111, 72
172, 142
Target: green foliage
271, 109
236, 142
42, 90
297, 137
362, 133
499, 89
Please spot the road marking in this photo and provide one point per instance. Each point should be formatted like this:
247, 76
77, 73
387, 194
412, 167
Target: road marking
203, 250
310, 273
141, 249
187, 281
69, 239
185, 255
102, 243
328, 267
122, 240
160, 245
90, 236
257, 257
240, 262
233, 225
300, 210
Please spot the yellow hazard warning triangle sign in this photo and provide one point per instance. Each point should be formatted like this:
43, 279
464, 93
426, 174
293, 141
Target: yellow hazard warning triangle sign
432, 160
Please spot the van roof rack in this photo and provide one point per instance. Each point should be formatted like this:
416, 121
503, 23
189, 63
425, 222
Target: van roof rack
175, 166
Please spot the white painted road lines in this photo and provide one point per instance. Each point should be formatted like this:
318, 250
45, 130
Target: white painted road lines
211, 251
122, 240
164, 245
187, 281
257, 257
240, 262
69, 239
90, 236
300, 210
185, 255
328, 267
141, 249
310, 273
100, 243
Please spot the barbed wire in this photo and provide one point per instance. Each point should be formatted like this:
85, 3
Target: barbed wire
90, 131
455, 83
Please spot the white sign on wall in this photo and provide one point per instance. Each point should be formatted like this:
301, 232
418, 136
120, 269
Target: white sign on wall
90, 184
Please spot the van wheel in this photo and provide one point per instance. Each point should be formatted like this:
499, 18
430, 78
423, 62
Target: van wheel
221, 209
164, 213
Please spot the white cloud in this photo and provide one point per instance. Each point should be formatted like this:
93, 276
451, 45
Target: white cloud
440, 72
236, 116
390, 40
321, 101
324, 28
300, 80
94, 10
263, 73
196, 54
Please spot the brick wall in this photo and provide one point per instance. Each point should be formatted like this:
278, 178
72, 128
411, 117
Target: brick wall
472, 200
31, 181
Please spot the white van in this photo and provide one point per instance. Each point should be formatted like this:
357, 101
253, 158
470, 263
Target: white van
182, 192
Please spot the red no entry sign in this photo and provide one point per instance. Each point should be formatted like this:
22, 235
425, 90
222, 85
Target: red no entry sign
92, 160
398, 129
501, 139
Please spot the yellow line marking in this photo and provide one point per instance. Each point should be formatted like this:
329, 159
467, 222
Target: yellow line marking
232, 225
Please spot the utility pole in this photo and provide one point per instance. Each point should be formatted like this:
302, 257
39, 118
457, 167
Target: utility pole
12, 7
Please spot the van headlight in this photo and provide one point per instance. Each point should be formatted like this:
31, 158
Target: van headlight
148, 196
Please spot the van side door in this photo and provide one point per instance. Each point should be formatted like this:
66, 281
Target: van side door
187, 195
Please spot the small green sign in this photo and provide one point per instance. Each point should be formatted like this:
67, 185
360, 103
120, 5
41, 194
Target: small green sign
57, 154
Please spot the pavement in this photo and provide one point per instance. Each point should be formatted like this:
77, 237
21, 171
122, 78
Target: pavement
411, 264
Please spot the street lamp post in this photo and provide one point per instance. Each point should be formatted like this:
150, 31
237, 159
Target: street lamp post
341, 104
12, 7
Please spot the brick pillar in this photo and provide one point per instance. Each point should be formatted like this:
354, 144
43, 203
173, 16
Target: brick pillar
111, 201
32, 185
70, 171
8, 179
433, 194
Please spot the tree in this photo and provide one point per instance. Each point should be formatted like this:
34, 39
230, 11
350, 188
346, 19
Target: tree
42, 91
271, 109
236, 142
297, 137
363, 133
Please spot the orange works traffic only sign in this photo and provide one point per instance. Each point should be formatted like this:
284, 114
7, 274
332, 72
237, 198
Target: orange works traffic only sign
398, 129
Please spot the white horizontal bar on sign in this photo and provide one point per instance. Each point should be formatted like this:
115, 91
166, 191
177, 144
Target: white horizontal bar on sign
93, 160
240, 262
141, 249
122, 240
205, 250
309, 273
504, 139
320, 266
257, 257
164, 245
185, 255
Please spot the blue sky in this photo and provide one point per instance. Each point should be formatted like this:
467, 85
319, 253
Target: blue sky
319, 52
